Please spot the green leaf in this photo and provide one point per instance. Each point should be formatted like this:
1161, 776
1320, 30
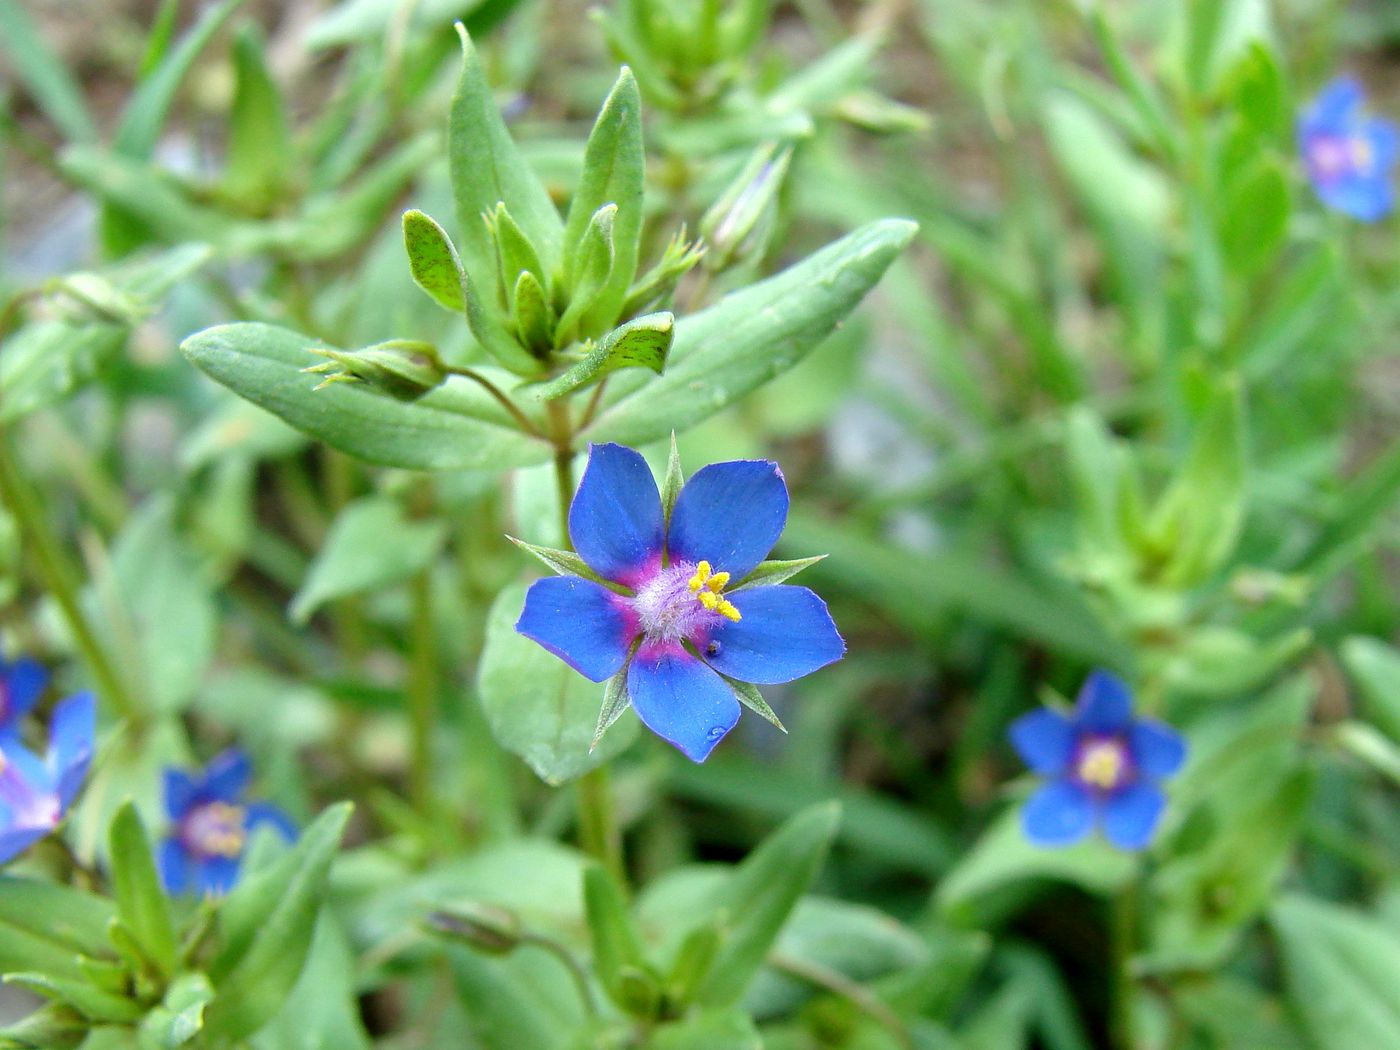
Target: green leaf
90, 1001
1375, 667
47, 360
768, 573
1339, 967
640, 343
43, 74
613, 167
1256, 218
141, 903
515, 254
747, 338
267, 924
731, 1029
589, 274
52, 1027
260, 148
456, 427
73, 920
433, 261
617, 945
525, 1000
323, 1010
487, 169
760, 896
371, 544
538, 706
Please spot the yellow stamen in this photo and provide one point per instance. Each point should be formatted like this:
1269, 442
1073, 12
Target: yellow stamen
1363, 157
708, 585
727, 609
702, 574
1101, 765
227, 837
717, 581
709, 600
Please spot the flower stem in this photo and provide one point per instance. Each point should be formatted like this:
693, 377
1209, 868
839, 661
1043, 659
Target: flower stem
521, 419
24, 503
422, 693
1122, 921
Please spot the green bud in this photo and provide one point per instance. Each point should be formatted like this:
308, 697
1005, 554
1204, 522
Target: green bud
874, 112
737, 225
402, 368
515, 254
534, 320
95, 298
485, 927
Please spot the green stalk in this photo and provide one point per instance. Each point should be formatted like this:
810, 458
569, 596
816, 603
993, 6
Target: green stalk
1122, 921
422, 693
58, 578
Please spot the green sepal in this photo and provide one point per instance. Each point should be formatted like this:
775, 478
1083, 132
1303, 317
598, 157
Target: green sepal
593, 262
655, 287
672, 484
616, 700
87, 999
768, 573
565, 563
405, 369
433, 261
107, 974
751, 698
534, 319
640, 343
141, 902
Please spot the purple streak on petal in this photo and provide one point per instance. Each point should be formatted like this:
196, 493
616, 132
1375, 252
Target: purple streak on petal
784, 633
615, 519
21, 685
1104, 704
1058, 814
583, 623
262, 814
73, 733
226, 777
174, 866
1158, 749
729, 514
1130, 816
1045, 740
680, 699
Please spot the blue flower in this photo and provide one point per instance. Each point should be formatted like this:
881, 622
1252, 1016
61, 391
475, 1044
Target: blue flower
681, 619
1102, 765
21, 684
35, 793
1348, 154
211, 826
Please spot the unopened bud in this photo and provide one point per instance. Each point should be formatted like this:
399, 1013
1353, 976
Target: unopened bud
737, 224
402, 368
485, 927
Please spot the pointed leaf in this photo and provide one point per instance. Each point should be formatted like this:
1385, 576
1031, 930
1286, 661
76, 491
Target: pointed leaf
640, 343
141, 903
433, 261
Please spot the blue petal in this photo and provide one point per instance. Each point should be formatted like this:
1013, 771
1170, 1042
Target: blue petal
1158, 749
1104, 704
583, 623
215, 876
23, 776
71, 744
226, 776
730, 515
265, 814
22, 684
680, 699
1058, 814
1130, 816
15, 841
1367, 199
1335, 103
180, 792
1384, 139
615, 520
174, 865
784, 633
1044, 739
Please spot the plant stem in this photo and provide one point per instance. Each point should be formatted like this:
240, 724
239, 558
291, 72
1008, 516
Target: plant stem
1122, 921
58, 578
422, 693
575, 968
505, 402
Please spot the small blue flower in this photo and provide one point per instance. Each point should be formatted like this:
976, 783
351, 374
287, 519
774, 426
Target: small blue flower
35, 793
211, 826
1102, 767
671, 624
1348, 154
21, 684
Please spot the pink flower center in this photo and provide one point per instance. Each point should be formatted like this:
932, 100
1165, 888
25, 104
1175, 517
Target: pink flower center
215, 829
670, 609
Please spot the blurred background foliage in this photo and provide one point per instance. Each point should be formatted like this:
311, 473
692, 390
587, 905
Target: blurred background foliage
1129, 399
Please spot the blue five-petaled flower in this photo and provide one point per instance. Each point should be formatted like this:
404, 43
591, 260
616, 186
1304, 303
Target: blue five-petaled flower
211, 826
681, 621
35, 792
1102, 764
22, 682
1349, 154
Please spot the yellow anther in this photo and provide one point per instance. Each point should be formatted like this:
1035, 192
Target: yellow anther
1101, 765
709, 600
1362, 155
225, 835
727, 610
717, 581
702, 573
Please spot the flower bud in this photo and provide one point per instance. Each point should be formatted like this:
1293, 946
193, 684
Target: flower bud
402, 368
485, 927
737, 224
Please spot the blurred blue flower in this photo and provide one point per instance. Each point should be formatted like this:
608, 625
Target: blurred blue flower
1102, 766
35, 793
672, 624
211, 826
21, 684
1349, 154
